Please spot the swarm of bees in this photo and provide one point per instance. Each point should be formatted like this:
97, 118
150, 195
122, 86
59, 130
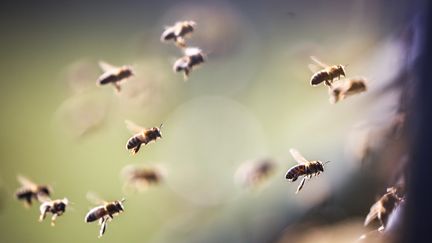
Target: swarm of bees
140, 178
30, 191
193, 56
305, 168
114, 75
104, 212
329, 73
141, 136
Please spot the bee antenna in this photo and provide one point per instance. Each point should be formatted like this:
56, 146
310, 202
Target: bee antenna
122, 200
160, 127
327, 162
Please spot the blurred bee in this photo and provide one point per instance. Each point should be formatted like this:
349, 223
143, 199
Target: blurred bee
113, 75
104, 212
142, 136
346, 88
327, 74
382, 209
56, 207
305, 168
193, 57
140, 178
254, 173
178, 32
30, 191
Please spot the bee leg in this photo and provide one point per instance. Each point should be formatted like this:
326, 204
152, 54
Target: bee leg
301, 184
137, 148
117, 87
186, 74
42, 216
180, 42
53, 219
103, 227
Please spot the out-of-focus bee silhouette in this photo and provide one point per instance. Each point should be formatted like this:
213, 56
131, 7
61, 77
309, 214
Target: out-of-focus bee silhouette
192, 57
114, 75
305, 168
30, 191
254, 173
142, 136
347, 88
382, 209
327, 74
140, 178
178, 32
56, 207
106, 211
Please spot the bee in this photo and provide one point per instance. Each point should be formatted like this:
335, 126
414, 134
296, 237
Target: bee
193, 57
178, 32
142, 136
114, 75
327, 74
382, 209
348, 87
30, 191
104, 212
253, 173
140, 178
305, 168
56, 207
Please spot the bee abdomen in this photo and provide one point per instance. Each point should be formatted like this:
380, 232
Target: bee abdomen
133, 142
320, 77
296, 171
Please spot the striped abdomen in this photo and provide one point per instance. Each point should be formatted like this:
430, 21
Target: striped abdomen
320, 77
134, 141
296, 171
95, 214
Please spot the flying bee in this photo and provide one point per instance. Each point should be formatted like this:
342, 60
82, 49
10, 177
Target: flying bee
56, 207
114, 75
178, 32
382, 209
347, 88
140, 178
193, 57
30, 191
327, 74
104, 212
305, 168
142, 136
254, 173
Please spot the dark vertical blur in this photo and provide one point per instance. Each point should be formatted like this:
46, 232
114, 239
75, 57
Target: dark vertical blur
419, 210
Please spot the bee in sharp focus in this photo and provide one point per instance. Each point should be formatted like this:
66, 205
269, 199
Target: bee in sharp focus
327, 74
140, 178
178, 32
56, 207
305, 168
254, 173
114, 75
142, 136
104, 212
30, 191
382, 209
347, 88
193, 57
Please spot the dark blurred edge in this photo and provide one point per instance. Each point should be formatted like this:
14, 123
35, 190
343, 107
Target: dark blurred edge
418, 217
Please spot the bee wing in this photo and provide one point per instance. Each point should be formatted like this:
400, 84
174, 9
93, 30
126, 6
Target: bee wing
24, 181
373, 213
191, 51
298, 157
94, 198
314, 68
106, 67
134, 128
318, 62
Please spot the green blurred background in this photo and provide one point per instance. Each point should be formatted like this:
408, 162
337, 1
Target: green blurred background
251, 99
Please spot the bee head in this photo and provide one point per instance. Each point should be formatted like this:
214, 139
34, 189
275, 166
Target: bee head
119, 205
341, 69
44, 190
158, 130
321, 165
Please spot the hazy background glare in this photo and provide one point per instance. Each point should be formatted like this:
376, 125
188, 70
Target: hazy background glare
251, 99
